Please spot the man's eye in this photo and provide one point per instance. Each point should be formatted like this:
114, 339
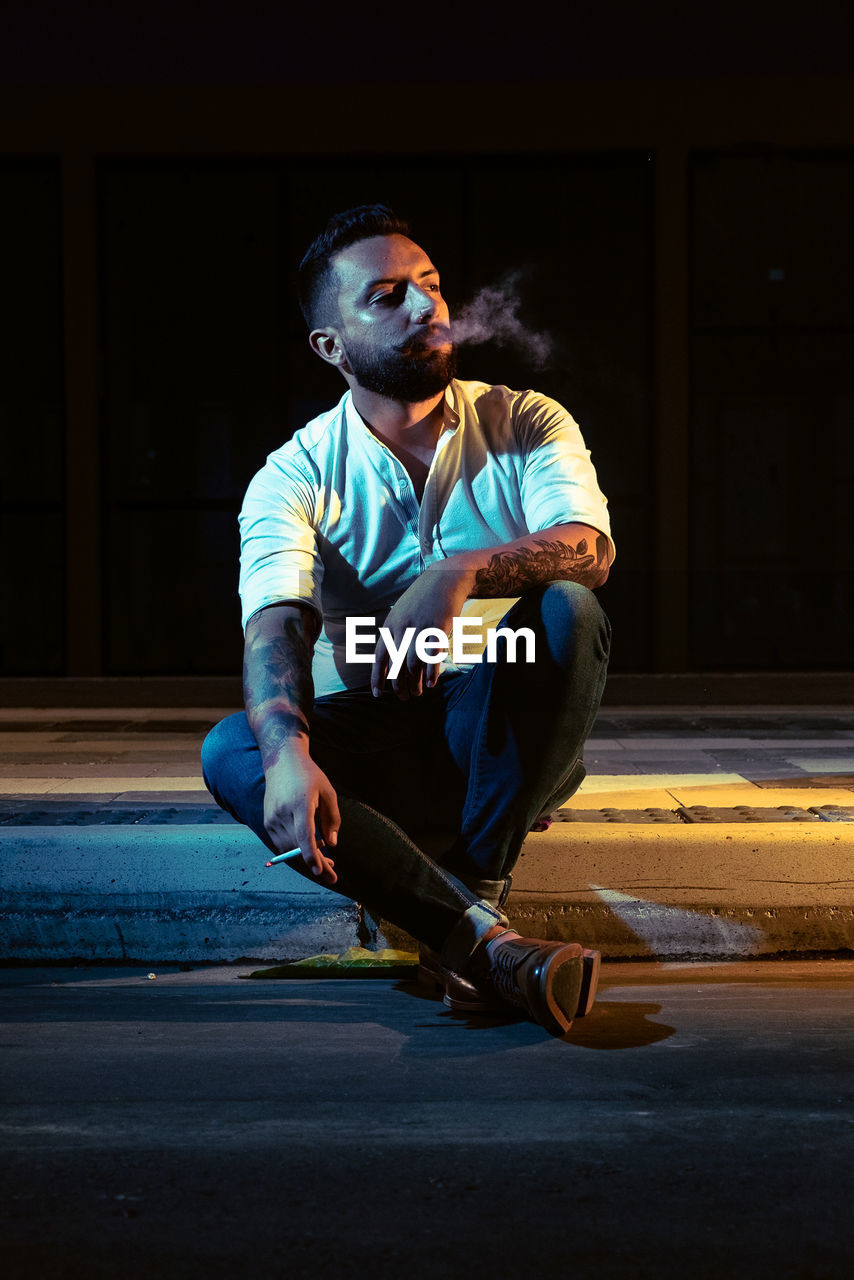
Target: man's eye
388, 297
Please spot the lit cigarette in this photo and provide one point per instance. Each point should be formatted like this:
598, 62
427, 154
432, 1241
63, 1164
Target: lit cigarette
283, 857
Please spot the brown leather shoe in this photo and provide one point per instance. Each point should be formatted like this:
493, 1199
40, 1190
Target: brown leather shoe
457, 992
552, 982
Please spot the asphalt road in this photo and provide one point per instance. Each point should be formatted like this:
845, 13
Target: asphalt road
699, 1123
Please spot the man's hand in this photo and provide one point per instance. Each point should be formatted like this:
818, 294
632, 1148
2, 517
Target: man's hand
301, 809
432, 600
569, 552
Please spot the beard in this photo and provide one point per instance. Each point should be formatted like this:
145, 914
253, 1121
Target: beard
415, 373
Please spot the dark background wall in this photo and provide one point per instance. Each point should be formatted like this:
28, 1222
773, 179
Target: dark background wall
678, 194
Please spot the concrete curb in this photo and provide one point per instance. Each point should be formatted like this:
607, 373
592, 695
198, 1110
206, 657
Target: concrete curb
194, 894
724, 891
158, 894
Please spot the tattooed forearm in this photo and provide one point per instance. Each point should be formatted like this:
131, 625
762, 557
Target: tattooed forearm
511, 572
277, 683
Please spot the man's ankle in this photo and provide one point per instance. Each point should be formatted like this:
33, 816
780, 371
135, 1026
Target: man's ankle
469, 932
495, 892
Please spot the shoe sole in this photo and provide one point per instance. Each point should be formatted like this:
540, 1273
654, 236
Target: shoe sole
555, 1014
589, 982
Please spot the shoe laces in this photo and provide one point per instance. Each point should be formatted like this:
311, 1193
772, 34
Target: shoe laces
503, 964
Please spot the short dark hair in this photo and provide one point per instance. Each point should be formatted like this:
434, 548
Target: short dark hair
317, 299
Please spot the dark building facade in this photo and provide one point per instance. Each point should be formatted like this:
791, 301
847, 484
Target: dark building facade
685, 245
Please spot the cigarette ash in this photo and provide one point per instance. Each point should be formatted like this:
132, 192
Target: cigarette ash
493, 316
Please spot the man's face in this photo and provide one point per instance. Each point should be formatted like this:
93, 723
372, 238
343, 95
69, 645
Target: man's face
394, 324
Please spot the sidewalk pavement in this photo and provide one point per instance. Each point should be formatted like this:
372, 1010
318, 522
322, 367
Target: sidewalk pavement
697, 834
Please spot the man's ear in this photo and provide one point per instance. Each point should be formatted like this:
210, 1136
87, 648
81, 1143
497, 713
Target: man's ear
327, 344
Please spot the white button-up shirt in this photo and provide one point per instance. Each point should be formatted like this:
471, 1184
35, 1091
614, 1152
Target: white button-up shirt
332, 519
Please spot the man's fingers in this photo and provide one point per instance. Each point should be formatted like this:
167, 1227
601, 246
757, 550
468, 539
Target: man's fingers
328, 875
413, 677
330, 817
307, 841
379, 670
321, 865
310, 842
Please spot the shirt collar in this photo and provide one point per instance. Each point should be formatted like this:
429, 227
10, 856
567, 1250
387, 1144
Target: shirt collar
352, 418
355, 421
452, 414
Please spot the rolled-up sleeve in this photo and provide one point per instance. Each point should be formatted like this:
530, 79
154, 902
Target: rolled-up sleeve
279, 558
558, 483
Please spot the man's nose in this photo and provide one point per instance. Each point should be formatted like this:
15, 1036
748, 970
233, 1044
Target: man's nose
422, 305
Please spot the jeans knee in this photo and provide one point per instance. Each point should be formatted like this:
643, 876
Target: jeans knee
218, 745
568, 608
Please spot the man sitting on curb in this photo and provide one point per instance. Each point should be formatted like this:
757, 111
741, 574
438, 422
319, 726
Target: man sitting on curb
419, 499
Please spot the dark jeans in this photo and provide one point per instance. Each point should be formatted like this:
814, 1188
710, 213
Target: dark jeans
480, 757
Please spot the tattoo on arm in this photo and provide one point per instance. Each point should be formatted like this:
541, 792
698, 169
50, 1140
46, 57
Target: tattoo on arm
511, 572
277, 683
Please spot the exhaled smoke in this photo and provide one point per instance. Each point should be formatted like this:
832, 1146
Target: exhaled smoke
492, 316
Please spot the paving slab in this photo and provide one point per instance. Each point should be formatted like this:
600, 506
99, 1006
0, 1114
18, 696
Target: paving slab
130, 782
657, 781
129, 716
823, 764
750, 793
814, 782
639, 743
159, 795
27, 786
625, 796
